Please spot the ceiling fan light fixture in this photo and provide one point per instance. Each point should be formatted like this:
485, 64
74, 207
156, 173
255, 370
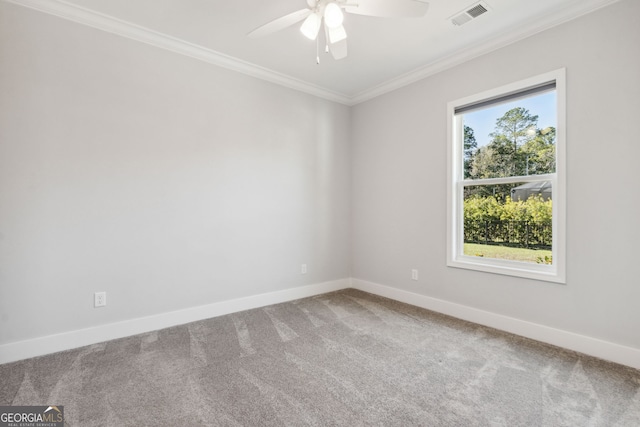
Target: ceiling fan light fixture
311, 26
336, 34
329, 14
333, 16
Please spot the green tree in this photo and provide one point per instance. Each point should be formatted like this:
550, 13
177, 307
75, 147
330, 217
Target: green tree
540, 152
516, 125
504, 155
517, 148
470, 146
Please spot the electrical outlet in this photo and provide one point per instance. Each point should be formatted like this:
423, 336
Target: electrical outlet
99, 299
303, 269
414, 274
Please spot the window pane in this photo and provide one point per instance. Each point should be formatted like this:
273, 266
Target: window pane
507, 149
512, 139
509, 221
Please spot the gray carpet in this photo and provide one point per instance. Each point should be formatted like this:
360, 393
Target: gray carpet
346, 358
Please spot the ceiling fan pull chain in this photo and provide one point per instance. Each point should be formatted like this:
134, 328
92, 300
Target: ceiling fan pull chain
317, 51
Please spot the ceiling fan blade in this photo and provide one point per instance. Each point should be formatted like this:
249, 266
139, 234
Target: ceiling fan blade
388, 8
339, 49
280, 23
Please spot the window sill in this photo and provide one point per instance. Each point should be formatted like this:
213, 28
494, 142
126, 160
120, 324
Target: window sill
524, 270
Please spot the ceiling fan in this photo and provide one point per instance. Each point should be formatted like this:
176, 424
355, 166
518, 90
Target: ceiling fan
331, 12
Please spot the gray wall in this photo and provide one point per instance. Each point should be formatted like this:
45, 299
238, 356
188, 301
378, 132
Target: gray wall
166, 182
170, 183
399, 181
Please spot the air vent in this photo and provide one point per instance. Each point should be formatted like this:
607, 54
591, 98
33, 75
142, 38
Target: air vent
477, 10
469, 13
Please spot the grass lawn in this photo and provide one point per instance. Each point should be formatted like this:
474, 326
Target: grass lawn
505, 252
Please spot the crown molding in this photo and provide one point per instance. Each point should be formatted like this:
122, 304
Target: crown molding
132, 31
514, 35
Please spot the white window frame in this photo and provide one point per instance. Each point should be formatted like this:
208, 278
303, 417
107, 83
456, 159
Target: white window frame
455, 218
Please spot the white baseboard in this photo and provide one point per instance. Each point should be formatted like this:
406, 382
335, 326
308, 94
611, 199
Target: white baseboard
592, 346
68, 340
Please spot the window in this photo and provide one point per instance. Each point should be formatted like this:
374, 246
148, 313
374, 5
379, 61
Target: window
506, 210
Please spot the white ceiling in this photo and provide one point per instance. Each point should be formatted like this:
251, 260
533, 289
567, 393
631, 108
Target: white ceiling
384, 53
